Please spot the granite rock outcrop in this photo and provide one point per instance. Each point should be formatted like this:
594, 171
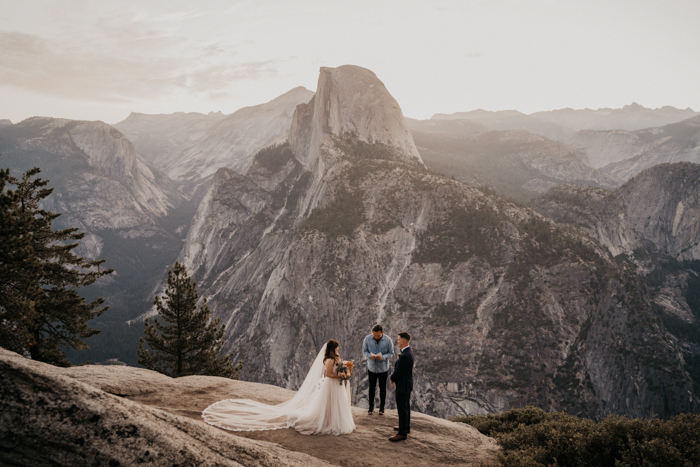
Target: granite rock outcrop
49, 418
118, 415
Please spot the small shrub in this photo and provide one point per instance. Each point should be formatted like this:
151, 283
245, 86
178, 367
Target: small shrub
534, 438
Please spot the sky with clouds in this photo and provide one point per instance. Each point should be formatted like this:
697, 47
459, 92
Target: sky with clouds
98, 60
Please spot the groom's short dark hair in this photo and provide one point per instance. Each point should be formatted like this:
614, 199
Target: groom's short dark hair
377, 328
405, 335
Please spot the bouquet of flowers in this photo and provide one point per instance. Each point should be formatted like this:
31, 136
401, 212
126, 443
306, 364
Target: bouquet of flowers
345, 369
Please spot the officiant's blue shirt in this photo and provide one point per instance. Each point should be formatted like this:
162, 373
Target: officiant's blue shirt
384, 347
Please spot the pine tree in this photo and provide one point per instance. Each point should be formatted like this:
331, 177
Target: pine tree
185, 344
40, 310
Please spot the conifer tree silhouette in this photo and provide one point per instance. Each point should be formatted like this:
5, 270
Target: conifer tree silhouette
188, 342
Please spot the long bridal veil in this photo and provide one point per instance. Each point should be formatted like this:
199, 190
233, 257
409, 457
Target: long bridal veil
306, 411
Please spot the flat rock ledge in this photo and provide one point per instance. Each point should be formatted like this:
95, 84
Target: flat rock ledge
123, 416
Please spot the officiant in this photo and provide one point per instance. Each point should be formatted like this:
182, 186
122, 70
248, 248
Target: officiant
377, 349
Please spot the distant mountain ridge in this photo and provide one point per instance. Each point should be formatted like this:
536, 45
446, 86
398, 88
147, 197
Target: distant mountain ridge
161, 137
191, 147
515, 163
630, 117
233, 141
562, 123
623, 154
99, 150
511, 120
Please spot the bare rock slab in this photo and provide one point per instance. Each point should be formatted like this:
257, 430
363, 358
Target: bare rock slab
104, 415
433, 441
48, 418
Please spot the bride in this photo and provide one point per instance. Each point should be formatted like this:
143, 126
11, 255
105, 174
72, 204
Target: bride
322, 404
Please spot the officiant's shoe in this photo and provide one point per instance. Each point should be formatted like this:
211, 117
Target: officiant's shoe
398, 437
396, 428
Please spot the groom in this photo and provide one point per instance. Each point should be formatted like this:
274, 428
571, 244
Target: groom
402, 381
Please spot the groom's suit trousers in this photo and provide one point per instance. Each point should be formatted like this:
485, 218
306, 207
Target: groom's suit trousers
373, 377
403, 407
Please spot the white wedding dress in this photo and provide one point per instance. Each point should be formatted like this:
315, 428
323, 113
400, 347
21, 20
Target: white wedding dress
321, 406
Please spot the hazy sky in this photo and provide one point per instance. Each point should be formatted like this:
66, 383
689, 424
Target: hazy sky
99, 60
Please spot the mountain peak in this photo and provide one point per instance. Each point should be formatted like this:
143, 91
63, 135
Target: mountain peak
634, 107
350, 100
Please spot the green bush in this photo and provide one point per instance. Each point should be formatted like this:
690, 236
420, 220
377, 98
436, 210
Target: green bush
533, 437
462, 232
340, 217
274, 157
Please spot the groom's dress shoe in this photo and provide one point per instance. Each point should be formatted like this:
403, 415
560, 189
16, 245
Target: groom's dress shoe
397, 429
398, 437
381, 411
370, 411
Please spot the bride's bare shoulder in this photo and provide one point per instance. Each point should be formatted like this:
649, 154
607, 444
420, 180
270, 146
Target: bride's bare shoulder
329, 363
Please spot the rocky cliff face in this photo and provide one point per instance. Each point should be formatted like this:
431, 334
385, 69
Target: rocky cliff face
129, 211
607, 147
657, 210
344, 227
650, 223
350, 101
623, 154
232, 142
99, 180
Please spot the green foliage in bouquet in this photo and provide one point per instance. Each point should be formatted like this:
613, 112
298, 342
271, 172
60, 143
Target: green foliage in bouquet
534, 438
189, 342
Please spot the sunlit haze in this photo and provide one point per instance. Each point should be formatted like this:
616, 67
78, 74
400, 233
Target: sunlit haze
103, 60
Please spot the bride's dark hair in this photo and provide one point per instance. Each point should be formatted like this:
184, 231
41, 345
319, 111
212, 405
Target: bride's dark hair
331, 353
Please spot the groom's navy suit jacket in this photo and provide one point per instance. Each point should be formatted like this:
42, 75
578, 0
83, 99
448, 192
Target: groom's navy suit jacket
403, 371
